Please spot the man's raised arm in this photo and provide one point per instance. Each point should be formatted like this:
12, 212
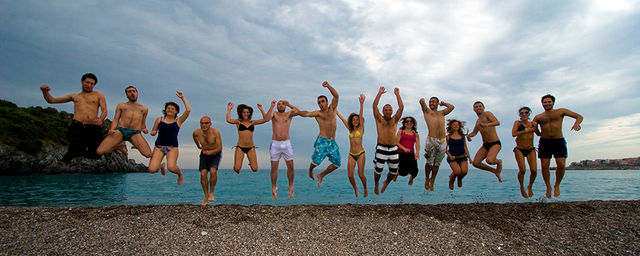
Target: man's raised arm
334, 93
376, 111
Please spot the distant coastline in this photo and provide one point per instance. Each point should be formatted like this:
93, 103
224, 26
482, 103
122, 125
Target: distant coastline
632, 163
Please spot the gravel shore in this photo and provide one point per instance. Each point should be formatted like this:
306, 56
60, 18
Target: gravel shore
566, 228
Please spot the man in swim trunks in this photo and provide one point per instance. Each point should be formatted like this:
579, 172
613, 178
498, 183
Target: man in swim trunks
386, 149
281, 144
325, 145
127, 125
435, 147
486, 125
85, 130
552, 143
208, 140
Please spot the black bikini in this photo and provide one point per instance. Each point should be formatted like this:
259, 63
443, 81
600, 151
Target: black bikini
525, 152
241, 127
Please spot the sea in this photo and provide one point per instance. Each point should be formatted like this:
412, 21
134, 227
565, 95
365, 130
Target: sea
250, 188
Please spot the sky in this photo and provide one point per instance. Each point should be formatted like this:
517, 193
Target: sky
506, 54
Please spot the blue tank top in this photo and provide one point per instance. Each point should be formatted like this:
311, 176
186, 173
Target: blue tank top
167, 134
456, 147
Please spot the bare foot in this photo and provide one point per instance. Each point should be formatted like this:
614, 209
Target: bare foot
274, 192
319, 180
123, 148
548, 192
395, 178
204, 202
524, 194
384, 186
162, 170
211, 197
180, 178
451, 180
411, 181
366, 192
530, 191
556, 191
426, 185
311, 174
290, 188
499, 170
459, 182
356, 190
375, 189
431, 184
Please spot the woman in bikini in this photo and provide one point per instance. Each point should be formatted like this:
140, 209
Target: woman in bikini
355, 125
408, 148
167, 128
523, 131
245, 127
457, 152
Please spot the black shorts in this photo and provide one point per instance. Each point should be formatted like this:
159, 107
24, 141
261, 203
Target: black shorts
408, 165
548, 148
457, 160
209, 161
84, 140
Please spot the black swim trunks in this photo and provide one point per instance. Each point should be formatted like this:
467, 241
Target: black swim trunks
408, 165
488, 145
548, 148
209, 161
84, 140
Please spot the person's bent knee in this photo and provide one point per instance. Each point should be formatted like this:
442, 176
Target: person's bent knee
254, 169
476, 164
153, 170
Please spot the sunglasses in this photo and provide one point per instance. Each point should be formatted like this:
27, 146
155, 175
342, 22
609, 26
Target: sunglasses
205, 122
524, 112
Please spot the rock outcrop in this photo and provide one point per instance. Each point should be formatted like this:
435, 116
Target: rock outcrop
15, 162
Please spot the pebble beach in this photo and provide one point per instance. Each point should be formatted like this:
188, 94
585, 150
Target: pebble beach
561, 228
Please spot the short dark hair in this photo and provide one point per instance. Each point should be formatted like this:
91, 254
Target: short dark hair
478, 102
171, 103
241, 108
548, 96
130, 86
325, 97
89, 75
434, 97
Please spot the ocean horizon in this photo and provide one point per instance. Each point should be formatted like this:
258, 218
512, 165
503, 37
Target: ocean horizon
249, 188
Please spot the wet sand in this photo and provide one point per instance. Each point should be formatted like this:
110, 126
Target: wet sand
567, 228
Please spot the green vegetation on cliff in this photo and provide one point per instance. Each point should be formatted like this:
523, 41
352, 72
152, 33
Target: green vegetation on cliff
29, 129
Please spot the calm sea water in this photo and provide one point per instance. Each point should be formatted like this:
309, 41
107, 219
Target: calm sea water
249, 188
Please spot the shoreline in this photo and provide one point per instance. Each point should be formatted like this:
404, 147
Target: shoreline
565, 228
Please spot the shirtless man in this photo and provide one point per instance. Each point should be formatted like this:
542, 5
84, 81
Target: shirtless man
486, 125
281, 145
128, 125
552, 143
85, 130
325, 145
386, 149
208, 140
435, 146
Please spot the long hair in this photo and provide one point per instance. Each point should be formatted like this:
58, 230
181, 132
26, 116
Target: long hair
461, 131
350, 121
241, 108
409, 119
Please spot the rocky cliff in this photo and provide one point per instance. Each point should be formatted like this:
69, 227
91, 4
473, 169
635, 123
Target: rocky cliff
15, 162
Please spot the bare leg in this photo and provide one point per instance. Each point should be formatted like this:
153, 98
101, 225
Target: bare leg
162, 168
455, 172
274, 179
522, 168
434, 172
141, 144
155, 161
329, 169
376, 178
477, 163
363, 178
386, 182
427, 171
531, 158
204, 181
253, 159
464, 169
290, 177
311, 166
560, 166
238, 156
544, 164
111, 142
212, 183
172, 160
492, 155
351, 165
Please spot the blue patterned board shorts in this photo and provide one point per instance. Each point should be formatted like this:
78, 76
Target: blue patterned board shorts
325, 148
